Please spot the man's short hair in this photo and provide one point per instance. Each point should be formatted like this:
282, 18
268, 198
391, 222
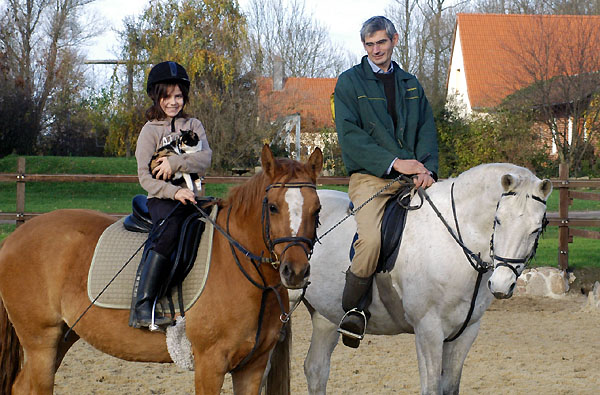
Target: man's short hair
375, 24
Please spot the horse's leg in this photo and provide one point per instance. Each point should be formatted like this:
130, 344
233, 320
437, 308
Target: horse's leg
41, 349
209, 370
454, 356
318, 360
248, 379
429, 340
64, 345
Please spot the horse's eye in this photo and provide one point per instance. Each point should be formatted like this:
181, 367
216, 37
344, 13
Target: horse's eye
273, 208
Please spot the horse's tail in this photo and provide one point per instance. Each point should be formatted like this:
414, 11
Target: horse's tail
278, 379
10, 352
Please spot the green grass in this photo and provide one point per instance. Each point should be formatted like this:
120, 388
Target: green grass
70, 165
578, 204
582, 252
5, 230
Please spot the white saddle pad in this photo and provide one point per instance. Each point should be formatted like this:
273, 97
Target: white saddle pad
117, 245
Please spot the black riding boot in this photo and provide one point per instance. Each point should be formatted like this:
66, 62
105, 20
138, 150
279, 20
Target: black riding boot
355, 300
151, 278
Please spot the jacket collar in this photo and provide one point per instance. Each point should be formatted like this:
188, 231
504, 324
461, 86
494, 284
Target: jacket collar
368, 73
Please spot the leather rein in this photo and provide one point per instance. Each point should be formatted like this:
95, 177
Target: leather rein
475, 260
258, 260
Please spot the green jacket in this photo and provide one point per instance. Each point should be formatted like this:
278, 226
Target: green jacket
365, 129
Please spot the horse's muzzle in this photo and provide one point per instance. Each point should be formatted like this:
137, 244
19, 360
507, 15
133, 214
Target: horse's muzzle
294, 278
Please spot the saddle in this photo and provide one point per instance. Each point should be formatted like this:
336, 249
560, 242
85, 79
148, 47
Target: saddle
392, 227
126, 241
191, 232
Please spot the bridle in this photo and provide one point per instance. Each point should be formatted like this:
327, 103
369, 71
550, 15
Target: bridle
514, 263
291, 240
475, 260
258, 260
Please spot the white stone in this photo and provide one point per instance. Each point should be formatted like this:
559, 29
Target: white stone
543, 281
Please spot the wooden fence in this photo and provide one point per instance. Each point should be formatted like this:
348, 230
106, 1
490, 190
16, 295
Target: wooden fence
21, 178
568, 224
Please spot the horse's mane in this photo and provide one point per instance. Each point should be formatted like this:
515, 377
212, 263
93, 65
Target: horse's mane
245, 198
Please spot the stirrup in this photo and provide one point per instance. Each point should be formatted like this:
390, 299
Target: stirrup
153, 327
353, 335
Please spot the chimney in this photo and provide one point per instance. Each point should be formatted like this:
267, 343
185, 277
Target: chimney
278, 74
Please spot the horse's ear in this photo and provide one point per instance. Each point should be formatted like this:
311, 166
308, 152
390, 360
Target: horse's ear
508, 182
546, 187
315, 162
268, 161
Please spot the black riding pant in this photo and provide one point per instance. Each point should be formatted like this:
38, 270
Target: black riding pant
161, 208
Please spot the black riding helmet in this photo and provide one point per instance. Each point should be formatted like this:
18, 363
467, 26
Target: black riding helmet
167, 72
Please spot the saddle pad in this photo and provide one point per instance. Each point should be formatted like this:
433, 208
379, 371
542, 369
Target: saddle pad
116, 245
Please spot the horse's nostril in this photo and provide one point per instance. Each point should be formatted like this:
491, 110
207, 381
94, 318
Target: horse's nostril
307, 272
490, 284
285, 271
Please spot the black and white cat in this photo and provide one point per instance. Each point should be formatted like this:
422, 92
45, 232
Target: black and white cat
187, 143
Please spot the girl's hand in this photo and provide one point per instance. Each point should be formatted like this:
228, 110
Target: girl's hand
184, 195
163, 170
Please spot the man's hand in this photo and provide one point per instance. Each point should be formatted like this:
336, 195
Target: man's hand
409, 167
184, 195
423, 180
163, 170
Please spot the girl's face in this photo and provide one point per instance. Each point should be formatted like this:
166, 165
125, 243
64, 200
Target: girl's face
173, 103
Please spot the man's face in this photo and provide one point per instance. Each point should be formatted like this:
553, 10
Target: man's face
379, 48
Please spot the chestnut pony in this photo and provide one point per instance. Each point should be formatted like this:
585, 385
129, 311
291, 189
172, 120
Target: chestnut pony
43, 286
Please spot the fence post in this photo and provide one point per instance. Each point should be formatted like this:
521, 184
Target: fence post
563, 213
20, 220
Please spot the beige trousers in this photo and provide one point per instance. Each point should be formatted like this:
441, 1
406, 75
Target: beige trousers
368, 220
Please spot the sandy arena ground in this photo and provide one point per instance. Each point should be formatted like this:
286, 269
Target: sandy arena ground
526, 345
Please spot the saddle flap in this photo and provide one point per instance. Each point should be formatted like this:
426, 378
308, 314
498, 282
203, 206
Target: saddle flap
392, 227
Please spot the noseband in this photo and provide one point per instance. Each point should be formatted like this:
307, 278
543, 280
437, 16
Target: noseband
510, 262
292, 240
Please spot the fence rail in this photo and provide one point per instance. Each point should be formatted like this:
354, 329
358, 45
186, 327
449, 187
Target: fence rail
566, 224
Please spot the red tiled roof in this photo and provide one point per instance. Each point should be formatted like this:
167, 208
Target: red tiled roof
310, 97
504, 53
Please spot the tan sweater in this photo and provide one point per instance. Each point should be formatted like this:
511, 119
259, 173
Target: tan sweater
154, 135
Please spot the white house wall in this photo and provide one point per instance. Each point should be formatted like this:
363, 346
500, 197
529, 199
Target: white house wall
457, 81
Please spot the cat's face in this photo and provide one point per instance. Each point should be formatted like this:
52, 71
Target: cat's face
189, 138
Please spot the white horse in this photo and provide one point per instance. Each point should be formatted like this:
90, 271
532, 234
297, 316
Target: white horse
500, 212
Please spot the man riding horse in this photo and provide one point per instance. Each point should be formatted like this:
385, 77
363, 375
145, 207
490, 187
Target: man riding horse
385, 128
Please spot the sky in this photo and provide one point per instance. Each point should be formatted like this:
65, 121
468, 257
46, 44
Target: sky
343, 18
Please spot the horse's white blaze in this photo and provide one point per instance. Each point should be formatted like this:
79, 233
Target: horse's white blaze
295, 201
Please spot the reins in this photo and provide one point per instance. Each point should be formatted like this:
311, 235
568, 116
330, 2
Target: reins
258, 260
475, 260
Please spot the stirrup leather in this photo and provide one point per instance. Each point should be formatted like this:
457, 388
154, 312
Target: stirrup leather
352, 334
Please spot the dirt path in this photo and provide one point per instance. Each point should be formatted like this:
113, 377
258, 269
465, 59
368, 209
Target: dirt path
526, 345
